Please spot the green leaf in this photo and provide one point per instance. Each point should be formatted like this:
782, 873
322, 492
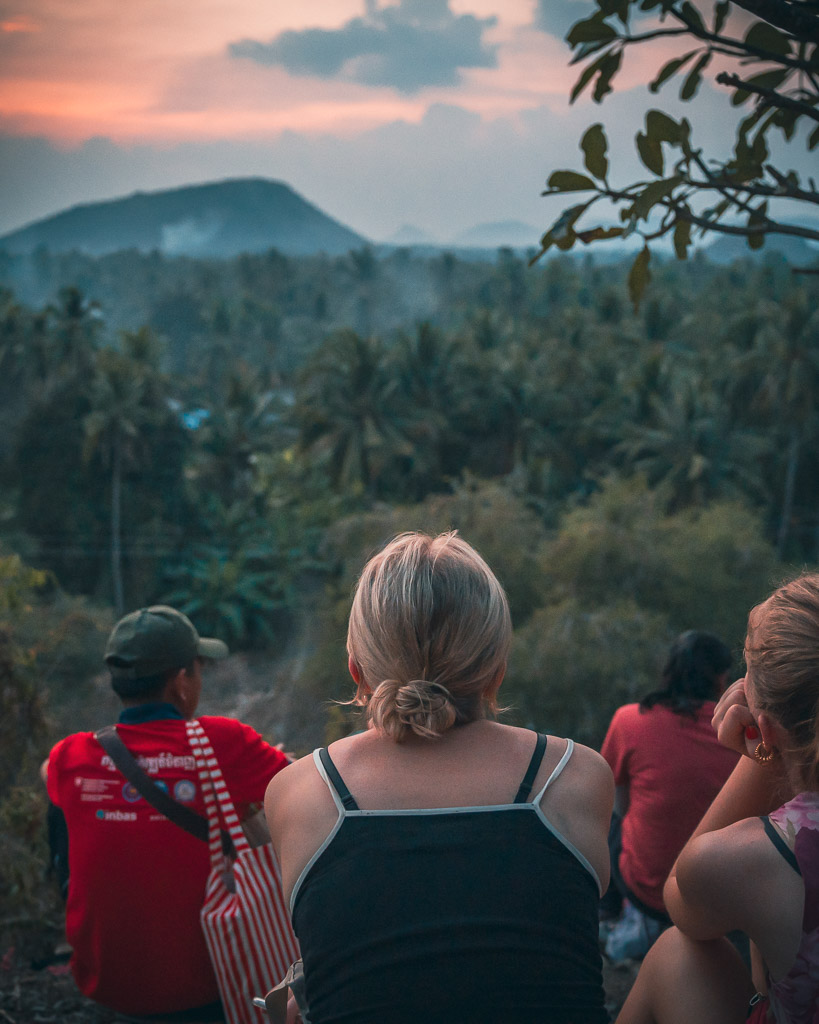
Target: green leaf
692, 16
757, 218
652, 194
566, 242
561, 233
590, 30
761, 36
618, 7
585, 77
813, 139
662, 128
743, 167
587, 49
610, 65
682, 238
670, 69
639, 276
569, 181
685, 138
694, 76
597, 234
769, 79
720, 14
715, 212
759, 149
595, 145
651, 153
785, 120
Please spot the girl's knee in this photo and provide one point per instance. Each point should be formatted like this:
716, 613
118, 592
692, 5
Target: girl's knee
683, 980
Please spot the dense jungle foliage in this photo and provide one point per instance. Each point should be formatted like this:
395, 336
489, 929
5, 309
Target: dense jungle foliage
236, 438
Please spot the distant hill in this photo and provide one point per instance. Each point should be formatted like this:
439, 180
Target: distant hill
408, 235
220, 219
793, 249
512, 233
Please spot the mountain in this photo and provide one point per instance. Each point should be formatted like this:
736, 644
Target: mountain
791, 248
409, 235
512, 233
219, 219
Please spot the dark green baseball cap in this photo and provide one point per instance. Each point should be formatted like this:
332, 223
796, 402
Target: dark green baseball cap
154, 640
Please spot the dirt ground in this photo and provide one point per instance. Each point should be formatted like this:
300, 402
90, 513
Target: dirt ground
33, 991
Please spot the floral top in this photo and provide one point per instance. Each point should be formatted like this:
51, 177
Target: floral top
795, 998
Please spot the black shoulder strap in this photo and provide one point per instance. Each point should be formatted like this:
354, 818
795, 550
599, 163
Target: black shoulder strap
531, 772
780, 844
178, 813
337, 782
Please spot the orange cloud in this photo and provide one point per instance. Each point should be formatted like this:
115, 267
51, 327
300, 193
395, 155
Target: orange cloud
20, 23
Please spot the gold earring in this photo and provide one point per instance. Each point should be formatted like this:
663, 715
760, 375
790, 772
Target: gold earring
762, 755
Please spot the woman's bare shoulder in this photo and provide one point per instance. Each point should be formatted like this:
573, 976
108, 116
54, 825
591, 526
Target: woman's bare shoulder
589, 770
739, 852
295, 784
732, 878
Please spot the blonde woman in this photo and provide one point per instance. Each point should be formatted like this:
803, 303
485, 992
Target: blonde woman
753, 863
442, 867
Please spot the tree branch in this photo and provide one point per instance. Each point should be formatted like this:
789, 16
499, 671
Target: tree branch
766, 227
774, 98
715, 184
735, 48
760, 191
789, 17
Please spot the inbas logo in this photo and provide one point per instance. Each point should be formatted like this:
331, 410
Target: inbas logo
116, 815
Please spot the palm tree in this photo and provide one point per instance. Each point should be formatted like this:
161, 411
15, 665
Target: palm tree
781, 371
690, 450
348, 414
428, 367
125, 398
364, 270
242, 426
77, 323
226, 594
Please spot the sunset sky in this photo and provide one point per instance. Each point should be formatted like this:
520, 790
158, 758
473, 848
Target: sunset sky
439, 114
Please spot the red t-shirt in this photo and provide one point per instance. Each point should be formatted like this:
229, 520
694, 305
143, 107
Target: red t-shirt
673, 766
137, 880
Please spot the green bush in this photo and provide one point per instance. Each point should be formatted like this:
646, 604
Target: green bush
619, 580
570, 667
703, 568
488, 515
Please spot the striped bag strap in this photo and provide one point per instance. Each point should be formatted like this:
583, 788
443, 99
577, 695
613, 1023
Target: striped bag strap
218, 803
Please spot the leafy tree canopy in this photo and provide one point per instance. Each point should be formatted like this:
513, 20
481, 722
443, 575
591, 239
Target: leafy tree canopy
770, 64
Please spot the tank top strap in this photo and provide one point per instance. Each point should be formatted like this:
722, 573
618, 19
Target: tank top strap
558, 768
525, 787
335, 780
780, 844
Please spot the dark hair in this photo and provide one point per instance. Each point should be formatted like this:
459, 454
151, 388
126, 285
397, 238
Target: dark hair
695, 661
146, 688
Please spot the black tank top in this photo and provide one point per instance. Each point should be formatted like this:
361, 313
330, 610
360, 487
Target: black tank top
474, 915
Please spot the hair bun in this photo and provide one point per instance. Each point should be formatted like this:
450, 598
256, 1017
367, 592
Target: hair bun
420, 706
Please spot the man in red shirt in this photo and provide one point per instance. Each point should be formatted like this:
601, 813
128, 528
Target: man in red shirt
137, 880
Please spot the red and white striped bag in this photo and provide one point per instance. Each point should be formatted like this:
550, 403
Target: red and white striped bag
244, 917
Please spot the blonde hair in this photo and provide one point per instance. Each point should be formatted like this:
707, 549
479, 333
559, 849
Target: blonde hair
429, 632
782, 656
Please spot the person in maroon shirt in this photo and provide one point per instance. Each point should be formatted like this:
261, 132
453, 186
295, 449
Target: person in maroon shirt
137, 880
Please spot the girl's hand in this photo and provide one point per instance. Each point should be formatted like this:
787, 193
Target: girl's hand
733, 722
